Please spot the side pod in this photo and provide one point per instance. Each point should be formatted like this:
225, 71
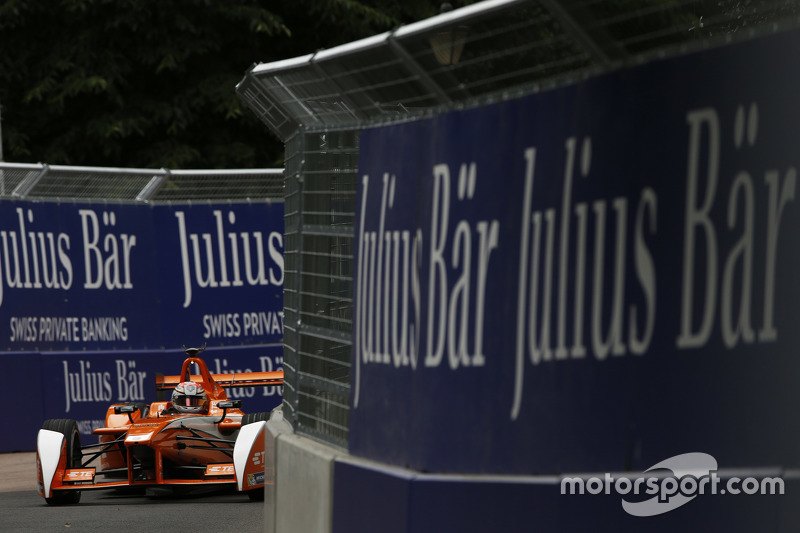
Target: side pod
50, 455
248, 456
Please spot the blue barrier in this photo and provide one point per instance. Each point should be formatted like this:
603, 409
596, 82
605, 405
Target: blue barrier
22, 381
88, 276
599, 276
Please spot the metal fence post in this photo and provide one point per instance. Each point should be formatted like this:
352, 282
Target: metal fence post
25, 186
153, 186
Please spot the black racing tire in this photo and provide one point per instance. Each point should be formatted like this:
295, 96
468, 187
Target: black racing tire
69, 428
249, 418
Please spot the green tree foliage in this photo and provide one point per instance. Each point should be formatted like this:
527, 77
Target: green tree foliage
139, 83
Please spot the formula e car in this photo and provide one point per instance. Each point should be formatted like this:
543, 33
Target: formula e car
198, 439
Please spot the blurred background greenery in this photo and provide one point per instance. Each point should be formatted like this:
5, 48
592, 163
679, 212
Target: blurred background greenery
143, 83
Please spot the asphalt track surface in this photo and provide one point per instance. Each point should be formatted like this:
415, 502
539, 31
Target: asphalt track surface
23, 510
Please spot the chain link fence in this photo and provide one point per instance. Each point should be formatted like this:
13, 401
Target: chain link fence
486, 52
59, 183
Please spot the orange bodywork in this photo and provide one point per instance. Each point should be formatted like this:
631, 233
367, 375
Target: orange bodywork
153, 446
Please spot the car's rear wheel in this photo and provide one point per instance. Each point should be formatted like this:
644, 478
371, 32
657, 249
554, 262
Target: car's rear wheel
72, 437
249, 418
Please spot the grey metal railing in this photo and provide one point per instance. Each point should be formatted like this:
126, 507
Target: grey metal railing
57, 182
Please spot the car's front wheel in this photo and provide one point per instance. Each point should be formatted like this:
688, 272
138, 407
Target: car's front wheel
255, 495
72, 437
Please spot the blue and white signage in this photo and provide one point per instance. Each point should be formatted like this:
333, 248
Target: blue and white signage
106, 276
586, 279
224, 273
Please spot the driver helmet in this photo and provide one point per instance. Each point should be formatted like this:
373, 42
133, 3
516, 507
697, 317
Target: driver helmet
189, 397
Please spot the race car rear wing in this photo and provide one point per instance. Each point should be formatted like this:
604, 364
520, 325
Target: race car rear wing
235, 380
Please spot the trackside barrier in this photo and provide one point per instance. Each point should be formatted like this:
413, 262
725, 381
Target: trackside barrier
320, 488
304, 498
276, 426
546, 271
490, 51
102, 276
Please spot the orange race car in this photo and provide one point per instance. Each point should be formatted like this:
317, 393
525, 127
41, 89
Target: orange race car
198, 439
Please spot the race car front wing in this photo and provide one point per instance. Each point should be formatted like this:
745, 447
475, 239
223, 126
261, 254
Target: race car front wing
55, 473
